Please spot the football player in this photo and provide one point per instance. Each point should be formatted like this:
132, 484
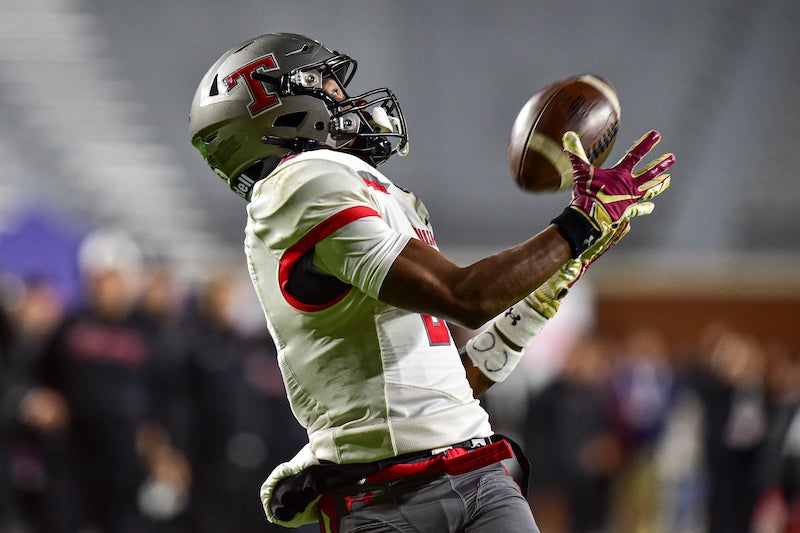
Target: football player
359, 300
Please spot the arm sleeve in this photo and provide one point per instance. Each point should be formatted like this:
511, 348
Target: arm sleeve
360, 253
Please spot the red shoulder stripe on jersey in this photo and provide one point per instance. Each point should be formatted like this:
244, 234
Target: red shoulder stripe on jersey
375, 185
293, 254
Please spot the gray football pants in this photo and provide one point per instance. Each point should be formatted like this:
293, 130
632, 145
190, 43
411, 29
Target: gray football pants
486, 500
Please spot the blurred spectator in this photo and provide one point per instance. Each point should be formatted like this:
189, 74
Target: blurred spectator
94, 401
36, 310
5, 341
679, 460
642, 383
240, 425
778, 509
161, 305
571, 444
731, 389
164, 498
642, 393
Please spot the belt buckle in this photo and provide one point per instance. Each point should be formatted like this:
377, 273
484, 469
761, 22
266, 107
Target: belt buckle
473, 443
437, 451
478, 443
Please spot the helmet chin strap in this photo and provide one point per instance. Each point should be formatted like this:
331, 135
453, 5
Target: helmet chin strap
296, 144
373, 154
244, 183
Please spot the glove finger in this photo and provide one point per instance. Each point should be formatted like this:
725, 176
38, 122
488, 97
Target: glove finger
572, 144
639, 149
655, 186
655, 167
640, 209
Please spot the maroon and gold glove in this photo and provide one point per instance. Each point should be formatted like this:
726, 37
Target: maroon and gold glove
604, 200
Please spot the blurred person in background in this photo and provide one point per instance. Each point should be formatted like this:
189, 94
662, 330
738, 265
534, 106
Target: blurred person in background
162, 304
730, 386
238, 422
94, 393
572, 445
159, 311
36, 310
642, 389
6, 512
778, 507
679, 455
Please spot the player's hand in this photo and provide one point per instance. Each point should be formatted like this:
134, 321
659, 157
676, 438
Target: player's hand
611, 196
607, 199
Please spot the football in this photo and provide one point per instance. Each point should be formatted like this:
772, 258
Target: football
587, 105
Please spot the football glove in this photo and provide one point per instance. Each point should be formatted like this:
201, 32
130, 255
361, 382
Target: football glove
604, 200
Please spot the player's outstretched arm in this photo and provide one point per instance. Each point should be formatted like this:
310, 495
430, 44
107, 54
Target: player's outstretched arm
422, 279
603, 202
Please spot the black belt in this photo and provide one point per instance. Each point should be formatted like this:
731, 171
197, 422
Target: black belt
293, 494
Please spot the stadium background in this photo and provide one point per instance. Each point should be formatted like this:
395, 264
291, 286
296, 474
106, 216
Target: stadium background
96, 94
95, 101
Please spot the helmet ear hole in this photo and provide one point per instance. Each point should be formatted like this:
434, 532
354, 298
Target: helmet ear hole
290, 120
214, 91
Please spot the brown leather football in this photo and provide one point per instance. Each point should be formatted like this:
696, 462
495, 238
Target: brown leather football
587, 105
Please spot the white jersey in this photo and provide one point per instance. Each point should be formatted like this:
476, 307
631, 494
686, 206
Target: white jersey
367, 380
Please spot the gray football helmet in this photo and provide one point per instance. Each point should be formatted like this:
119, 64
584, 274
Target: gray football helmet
264, 99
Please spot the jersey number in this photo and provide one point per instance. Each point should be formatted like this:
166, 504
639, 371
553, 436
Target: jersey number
438, 333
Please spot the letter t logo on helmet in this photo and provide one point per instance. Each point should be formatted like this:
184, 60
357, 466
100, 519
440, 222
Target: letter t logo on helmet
263, 99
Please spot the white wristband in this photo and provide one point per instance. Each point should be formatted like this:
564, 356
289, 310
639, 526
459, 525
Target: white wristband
489, 352
520, 323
